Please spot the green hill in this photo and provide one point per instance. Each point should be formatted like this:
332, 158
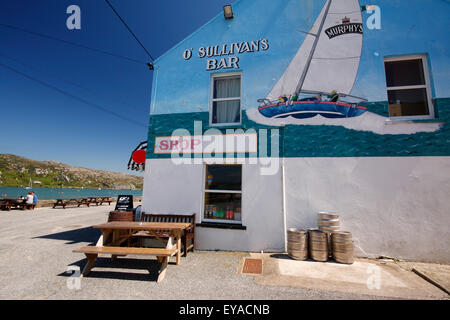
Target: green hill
17, 171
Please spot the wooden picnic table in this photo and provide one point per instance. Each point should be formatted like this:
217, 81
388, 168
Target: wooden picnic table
113, 237
10, 203
67, 202
99, 200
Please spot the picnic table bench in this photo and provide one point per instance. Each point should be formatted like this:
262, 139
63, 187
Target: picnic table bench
67, 202
112, 240
8, 204
189, 233
161, 254
99, 200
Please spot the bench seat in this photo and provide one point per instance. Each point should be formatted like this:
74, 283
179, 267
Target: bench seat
127, 250
92, 253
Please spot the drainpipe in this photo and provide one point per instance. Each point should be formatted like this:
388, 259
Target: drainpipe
283, 188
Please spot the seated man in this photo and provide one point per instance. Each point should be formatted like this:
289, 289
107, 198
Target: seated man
333, 97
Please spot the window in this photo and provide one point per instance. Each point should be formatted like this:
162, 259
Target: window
223, 194
408, 87
226, 99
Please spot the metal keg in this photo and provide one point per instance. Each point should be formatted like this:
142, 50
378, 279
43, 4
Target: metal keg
297, 244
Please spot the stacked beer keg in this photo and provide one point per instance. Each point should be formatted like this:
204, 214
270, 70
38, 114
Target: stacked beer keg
324, 242
318, 243
298, 244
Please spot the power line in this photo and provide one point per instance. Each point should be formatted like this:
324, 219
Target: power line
68, 94
70, 82
72, 43
129, 29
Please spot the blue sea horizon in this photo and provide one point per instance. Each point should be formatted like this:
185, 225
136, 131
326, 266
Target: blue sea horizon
64, 193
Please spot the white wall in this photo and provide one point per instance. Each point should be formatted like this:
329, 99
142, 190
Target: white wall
395, 207
170, 188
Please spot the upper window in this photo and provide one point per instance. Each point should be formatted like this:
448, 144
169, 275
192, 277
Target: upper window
226, 99
408, 87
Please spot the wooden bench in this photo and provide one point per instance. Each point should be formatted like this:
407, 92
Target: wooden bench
8, 204
105, 199
84, 201
93, 252
65, 202
187, 237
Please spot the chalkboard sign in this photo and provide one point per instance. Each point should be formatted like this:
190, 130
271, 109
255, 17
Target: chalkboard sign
124, 203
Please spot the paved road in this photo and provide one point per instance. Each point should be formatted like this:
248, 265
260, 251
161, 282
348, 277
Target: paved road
36, 250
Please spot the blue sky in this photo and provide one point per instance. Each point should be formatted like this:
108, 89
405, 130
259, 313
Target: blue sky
40, 123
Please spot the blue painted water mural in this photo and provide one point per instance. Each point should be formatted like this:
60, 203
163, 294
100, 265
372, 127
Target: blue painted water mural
324, 140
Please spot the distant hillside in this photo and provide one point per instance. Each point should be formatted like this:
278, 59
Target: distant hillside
16, 171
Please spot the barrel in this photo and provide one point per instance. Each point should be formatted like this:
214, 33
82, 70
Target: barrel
342, 247
297, 244
328, 222
318, 245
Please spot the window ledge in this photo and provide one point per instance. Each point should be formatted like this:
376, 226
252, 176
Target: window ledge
412, 121
221, 225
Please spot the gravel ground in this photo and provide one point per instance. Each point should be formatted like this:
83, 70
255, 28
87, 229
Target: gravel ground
36, 250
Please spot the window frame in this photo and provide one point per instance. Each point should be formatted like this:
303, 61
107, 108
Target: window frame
204, 191
426, 86
212, 100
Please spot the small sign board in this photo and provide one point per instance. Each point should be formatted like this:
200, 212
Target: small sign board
124, 203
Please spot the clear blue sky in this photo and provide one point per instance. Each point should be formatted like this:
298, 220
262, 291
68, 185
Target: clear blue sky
43, 124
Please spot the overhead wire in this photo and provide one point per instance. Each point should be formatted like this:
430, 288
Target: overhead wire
71, 43
131, 31
68, 94
70, 82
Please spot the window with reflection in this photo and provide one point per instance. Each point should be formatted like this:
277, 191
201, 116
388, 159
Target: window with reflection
223, 194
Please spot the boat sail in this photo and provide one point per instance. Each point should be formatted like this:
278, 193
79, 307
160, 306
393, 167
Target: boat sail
327, 61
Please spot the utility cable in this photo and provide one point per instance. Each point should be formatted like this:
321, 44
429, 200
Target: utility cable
71, 43
129, 29
68, 94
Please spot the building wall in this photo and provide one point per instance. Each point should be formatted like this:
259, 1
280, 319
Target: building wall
395, 207
177, 189
388, 181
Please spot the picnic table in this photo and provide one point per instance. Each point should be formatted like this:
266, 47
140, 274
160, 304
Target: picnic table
113, 237
99, 200
67, 202
11, 203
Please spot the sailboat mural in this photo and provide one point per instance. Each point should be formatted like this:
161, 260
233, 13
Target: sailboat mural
325, 67
326, 63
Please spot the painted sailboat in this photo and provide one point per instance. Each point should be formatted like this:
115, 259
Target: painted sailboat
326, 63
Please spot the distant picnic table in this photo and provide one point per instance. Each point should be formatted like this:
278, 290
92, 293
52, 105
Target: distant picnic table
13, 203
81, 201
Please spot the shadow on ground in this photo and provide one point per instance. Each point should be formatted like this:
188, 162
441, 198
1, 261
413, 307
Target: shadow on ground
88, 234
124, 264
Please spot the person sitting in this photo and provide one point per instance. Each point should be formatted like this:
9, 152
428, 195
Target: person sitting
333, 97
29, 200
294, 98
283, 98
318, 98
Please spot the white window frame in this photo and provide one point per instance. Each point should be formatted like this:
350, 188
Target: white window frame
427, 86
204, 191
212, 100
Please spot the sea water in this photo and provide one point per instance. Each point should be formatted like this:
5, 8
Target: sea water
64, 193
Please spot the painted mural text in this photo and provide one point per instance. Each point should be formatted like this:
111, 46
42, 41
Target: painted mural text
344, 29
214, 55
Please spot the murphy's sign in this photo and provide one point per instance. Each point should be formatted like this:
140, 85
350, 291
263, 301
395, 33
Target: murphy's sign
345, 28
214, 55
